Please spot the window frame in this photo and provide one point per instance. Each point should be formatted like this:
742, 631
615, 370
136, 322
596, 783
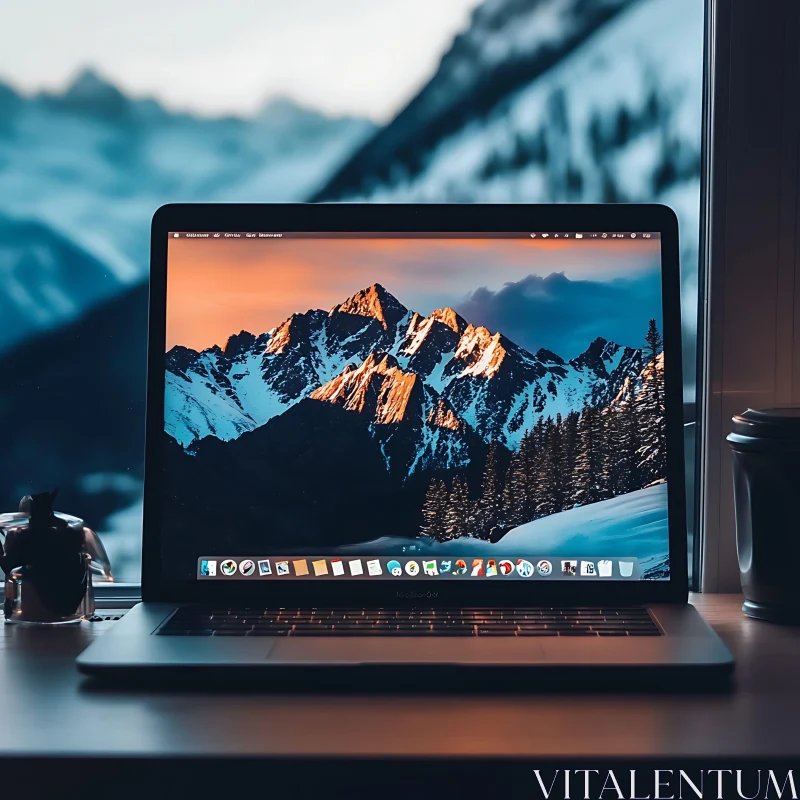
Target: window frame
750, 212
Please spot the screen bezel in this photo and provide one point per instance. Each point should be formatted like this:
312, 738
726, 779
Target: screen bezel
157, 585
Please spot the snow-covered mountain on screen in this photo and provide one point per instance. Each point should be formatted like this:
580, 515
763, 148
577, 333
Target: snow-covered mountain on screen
370, 354
417, 429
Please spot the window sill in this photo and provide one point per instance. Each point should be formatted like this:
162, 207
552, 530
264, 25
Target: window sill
117, 595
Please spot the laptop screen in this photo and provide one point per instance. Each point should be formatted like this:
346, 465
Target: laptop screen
414, 407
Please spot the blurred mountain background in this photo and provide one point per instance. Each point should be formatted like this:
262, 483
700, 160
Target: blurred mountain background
533, 101
83, 171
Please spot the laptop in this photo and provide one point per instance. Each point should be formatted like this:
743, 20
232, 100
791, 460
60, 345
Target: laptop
413, 436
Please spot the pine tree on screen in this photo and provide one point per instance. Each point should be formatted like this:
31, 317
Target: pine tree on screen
515, 487
459, 514
551, 473
569, 439
519, 493
652, 451
538, 434
590, 475
434, 511
535, 489
624, 473
490, 505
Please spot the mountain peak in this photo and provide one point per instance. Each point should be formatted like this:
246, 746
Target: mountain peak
380, 362
88, 82
238, 343
442, 415
598, 357
482, 353
284, 113
90, 92
376, 302
180, 358
546, 356
599, 351
447, 316
378, 388
293, 332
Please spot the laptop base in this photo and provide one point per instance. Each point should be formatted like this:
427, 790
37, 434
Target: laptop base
132, 648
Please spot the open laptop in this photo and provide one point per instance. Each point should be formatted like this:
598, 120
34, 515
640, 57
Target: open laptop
413, 436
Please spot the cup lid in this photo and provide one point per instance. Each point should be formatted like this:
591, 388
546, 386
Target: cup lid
770, 423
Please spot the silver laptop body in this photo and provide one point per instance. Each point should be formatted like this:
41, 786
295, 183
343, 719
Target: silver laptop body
426, 436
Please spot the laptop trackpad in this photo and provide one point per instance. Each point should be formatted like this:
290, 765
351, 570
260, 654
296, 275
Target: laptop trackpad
406, 650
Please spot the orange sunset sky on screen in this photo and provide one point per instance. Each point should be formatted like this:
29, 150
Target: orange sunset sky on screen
218, 287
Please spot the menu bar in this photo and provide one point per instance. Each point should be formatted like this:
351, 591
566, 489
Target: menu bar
595, 235
598, 236
404, 568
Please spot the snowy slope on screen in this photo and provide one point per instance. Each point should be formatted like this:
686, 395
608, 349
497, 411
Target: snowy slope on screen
631, 525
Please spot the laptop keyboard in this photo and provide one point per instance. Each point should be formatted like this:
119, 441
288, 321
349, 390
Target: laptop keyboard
195, 621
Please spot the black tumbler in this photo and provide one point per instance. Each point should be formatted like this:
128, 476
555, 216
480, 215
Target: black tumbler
766, 485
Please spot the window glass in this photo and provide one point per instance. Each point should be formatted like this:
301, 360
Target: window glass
114, 112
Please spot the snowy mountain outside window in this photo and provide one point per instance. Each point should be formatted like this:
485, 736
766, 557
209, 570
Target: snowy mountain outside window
494, 101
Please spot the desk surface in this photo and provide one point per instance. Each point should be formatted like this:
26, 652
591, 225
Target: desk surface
50, 710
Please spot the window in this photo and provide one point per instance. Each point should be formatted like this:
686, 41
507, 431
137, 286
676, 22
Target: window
751, 350
494, 101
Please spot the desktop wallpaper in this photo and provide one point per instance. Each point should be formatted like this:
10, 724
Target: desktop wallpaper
404, 395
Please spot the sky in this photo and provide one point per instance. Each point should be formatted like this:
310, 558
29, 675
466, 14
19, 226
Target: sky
363, 57
556, 295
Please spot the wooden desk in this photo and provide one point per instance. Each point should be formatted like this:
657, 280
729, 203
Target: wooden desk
50, 711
